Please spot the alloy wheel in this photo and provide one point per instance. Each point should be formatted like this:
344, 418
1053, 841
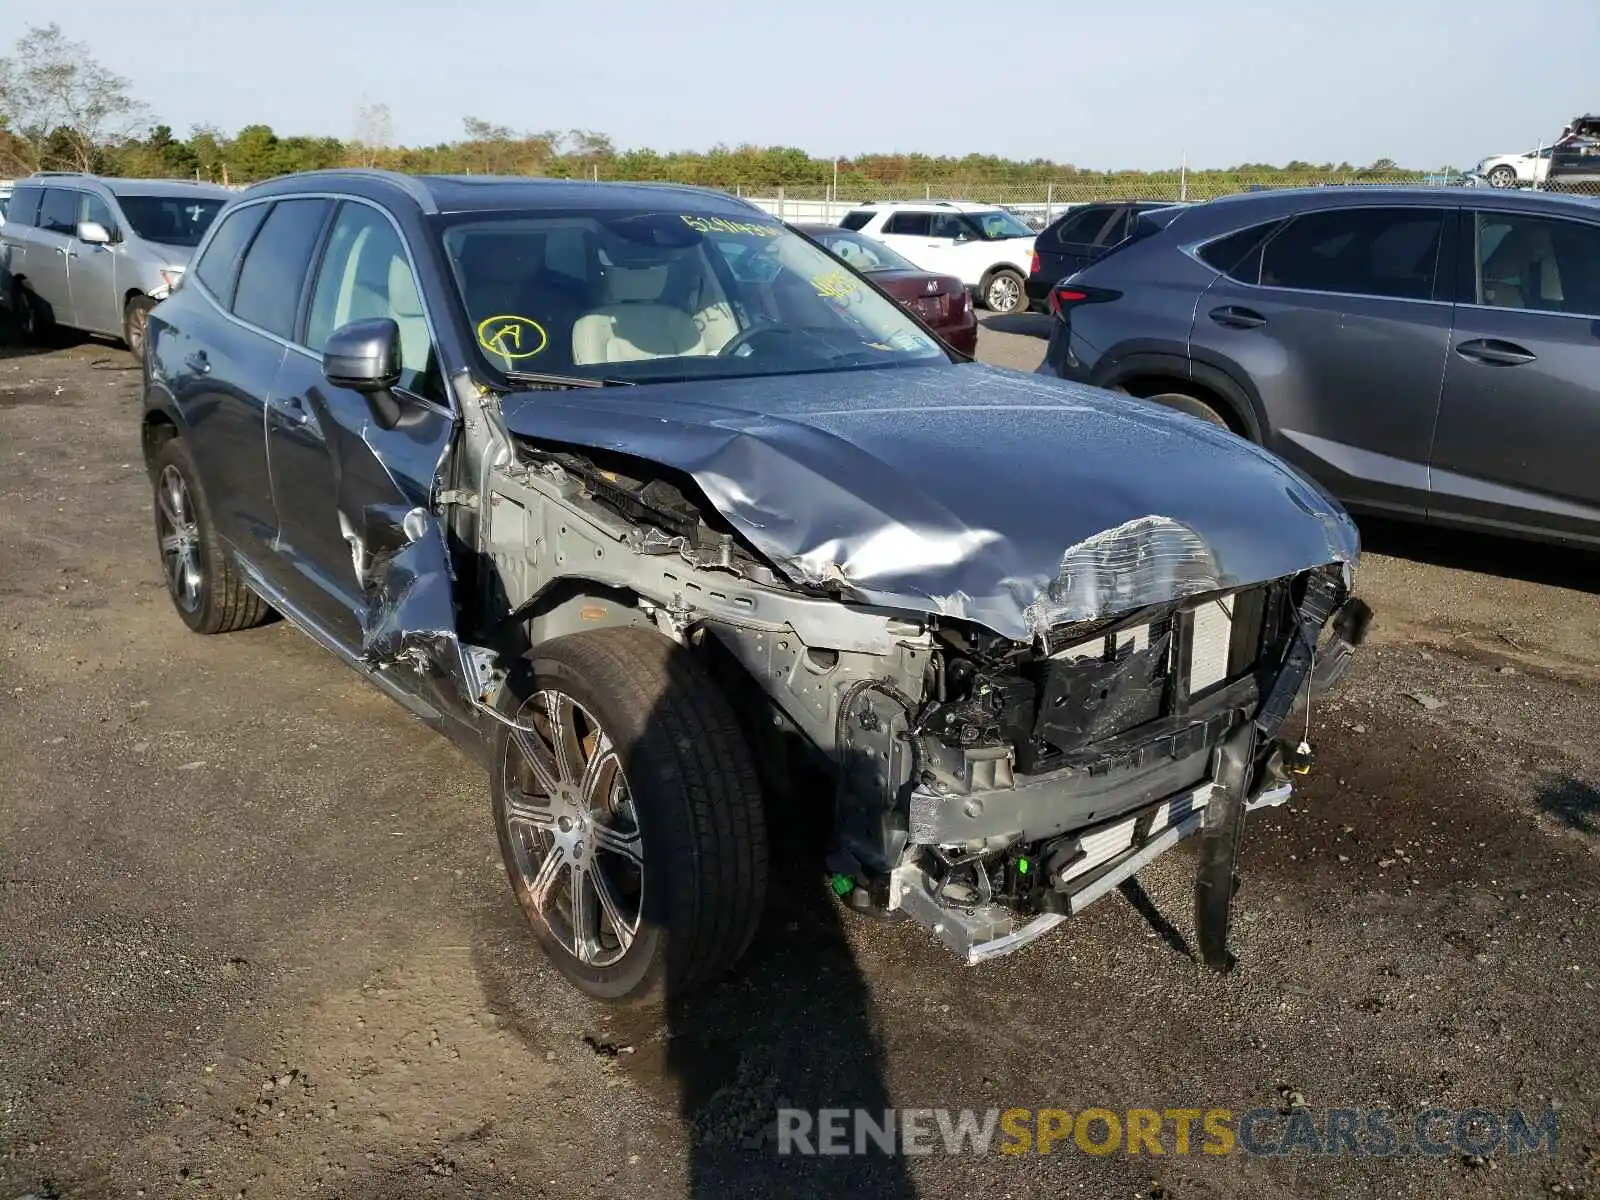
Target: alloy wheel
138, 327
1003, 293
575, 845
179, 536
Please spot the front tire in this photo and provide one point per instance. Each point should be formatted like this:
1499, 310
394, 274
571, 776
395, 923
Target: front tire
1503, 176
1004, 293
629, 815
136, 325
202, 581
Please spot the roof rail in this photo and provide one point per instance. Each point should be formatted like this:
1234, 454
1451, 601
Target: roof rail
80, 174
409, 184
693, 188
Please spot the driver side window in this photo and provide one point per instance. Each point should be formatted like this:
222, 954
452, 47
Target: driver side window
949, 225
96, 209
365, 274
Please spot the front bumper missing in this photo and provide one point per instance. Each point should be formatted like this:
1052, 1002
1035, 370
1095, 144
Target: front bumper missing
1112, 854
1241, 778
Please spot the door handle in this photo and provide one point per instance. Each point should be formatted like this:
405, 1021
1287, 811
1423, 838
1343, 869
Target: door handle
1495, 352
198, 362
294, 410
1236, 317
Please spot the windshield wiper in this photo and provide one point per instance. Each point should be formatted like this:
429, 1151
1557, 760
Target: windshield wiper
546, 379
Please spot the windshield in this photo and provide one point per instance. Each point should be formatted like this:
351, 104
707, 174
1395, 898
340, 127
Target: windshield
864, 254
645, 296
999, 224
170, 220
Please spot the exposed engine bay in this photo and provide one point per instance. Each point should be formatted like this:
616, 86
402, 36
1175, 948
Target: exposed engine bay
986, 787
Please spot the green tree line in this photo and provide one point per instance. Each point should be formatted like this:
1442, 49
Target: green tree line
61, 110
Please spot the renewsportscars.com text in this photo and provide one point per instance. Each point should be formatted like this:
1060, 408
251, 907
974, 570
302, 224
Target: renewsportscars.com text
1262, 1132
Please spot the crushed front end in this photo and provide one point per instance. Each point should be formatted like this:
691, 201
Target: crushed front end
1005, 730
1020, 783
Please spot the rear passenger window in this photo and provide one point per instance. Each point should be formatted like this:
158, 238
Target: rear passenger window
1114, 230
1077, 228
59, 212
220, 262
856, 219
1390, 252
1239, 254
24, 206
274, 268
913, 224
1538, 264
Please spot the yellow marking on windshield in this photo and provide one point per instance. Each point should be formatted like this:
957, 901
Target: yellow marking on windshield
723, 225
511, 336
835, 285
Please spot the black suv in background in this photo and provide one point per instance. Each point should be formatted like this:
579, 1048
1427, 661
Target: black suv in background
1076, 238
1428, 353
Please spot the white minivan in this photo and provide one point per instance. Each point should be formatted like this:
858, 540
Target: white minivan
988, 248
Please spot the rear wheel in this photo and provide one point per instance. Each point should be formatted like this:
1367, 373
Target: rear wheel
136, 325
1004, 293
629, 815
1195, 407
32, 320
202, 581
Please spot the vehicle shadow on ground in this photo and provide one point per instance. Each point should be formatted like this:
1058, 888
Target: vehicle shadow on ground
1029, 324
1574, 804
13, 345
1533, 562
794, 1030
1133, 892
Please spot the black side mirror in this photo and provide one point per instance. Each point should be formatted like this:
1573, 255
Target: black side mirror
364, 356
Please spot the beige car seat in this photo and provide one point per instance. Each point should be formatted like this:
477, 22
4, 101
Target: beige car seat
405, 306
633, 324
1522, 272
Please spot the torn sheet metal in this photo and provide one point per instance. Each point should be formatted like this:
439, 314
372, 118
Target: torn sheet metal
1015, 501
408, 615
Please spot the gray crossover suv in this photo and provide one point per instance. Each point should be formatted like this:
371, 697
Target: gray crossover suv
1431, 354
97, 254
663, 511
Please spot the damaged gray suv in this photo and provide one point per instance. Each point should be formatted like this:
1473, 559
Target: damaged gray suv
679, 524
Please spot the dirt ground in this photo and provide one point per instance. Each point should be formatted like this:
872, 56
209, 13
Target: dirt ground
256, 941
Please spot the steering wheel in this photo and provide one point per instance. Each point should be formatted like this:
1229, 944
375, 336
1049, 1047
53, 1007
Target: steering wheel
747, 338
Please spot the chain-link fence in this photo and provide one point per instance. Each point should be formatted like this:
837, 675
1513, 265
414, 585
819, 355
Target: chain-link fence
1040, 203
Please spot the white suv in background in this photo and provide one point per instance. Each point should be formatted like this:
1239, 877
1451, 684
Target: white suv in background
987, 248
1515, 170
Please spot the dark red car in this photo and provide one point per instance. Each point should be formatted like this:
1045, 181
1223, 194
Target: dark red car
941, 301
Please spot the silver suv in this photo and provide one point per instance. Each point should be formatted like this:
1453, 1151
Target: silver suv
98, 254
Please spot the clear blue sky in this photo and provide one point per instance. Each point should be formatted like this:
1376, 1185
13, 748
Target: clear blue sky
1425, 82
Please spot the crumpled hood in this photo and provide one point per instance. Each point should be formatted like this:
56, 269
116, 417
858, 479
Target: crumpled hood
1016, 501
